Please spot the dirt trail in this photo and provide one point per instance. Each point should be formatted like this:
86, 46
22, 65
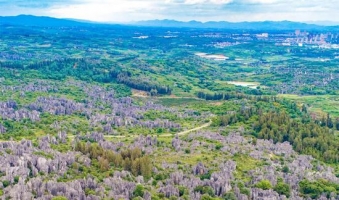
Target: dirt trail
188, 131
162, 135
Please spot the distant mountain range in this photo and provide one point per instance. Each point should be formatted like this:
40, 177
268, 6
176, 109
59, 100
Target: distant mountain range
265, 25
29, 20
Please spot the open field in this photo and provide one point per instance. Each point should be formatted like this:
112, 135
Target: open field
320, 105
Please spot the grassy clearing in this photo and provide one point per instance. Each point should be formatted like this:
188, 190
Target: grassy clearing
244, 164
189, 159
177, 101
319, 105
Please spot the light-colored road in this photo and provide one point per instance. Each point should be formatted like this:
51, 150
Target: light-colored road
162, 135
188, 131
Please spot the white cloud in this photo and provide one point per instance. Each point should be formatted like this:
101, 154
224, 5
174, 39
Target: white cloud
261, 1
203, 10
208, 1
106, 10
311, 9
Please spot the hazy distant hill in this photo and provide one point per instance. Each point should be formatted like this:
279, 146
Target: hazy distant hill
29, 20
266, 25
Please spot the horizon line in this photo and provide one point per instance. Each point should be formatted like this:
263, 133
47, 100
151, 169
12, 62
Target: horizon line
185, 21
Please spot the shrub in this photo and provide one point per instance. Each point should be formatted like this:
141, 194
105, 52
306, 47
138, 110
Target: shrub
283, 189
206, 176
59, 198
285, 169
243, 189
139, 191
204, 190
16, 179
89, 192
219, 146
316, 188
183, 190
206, 197
5, 183
229, 196
264, 184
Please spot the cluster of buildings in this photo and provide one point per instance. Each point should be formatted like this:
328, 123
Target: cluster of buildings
302, 38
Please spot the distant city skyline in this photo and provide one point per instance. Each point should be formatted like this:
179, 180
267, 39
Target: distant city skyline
182, 10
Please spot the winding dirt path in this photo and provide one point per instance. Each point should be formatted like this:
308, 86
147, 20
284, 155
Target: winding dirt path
162, 135
188, 131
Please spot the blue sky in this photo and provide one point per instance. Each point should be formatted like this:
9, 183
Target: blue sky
185, 10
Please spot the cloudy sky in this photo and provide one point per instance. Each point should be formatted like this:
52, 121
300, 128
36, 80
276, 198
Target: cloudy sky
185, 10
